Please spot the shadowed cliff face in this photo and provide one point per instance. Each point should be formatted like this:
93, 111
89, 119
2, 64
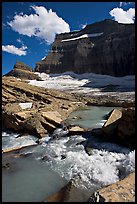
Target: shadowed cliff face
105, 47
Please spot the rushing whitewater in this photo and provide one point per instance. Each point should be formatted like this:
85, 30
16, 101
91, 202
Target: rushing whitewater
102, 164
106, 164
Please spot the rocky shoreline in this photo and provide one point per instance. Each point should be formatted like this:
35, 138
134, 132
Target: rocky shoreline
49, 108
121, 191
28, 109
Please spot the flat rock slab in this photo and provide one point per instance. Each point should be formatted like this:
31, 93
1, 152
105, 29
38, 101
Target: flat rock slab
52, 116
74, 130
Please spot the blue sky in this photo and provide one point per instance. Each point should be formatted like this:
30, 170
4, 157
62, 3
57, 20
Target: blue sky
29, 28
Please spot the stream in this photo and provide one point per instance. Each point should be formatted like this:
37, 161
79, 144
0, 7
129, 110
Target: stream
37, 171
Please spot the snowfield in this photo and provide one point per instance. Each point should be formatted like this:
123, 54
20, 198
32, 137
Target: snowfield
89, 84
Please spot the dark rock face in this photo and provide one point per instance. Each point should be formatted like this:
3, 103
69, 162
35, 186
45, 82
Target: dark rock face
110, 52
22, 71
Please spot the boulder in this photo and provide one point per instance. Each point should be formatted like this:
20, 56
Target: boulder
126, 127
53, 117
112, 122
69, 193
76, 130
120, 127
121, 191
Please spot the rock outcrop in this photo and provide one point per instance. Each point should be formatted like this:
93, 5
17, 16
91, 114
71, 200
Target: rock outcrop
69, 193
34, 110
22, 71
105, 47
76, 130
122, 191
120, 127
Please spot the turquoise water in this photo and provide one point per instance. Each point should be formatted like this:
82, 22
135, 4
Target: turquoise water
91, 117
29, 180
32, 178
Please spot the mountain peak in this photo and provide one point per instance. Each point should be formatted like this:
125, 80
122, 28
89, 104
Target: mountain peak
104, 47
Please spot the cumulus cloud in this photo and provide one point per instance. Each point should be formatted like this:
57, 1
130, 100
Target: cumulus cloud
122, 16
43, 24
14, 50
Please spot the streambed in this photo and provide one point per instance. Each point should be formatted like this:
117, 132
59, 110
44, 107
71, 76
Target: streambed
44, 169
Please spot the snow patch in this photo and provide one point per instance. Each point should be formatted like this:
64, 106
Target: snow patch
25, 105
83, 36
43, 58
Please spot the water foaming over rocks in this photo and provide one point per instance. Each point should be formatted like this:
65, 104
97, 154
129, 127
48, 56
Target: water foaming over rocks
99, 169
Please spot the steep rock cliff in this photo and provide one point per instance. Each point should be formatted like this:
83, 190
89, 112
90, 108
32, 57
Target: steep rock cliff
105, 47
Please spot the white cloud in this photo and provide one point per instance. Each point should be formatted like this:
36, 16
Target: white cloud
44, 24
14, 50
122, 16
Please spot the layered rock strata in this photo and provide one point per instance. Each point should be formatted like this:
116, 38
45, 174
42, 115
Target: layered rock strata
22, 71
105, 47
34, 110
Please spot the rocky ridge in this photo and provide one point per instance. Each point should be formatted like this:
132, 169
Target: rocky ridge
22, 71
104, 47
